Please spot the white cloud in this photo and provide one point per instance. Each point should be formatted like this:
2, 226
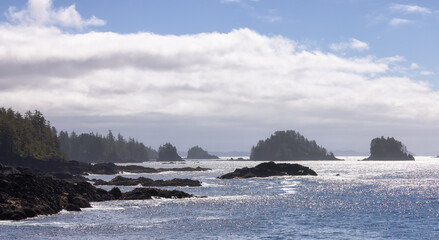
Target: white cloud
410, 9
41, 12
399, 21
241, 80
426, 73
353, 44
414, 66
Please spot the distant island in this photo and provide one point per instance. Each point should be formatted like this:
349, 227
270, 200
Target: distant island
199, 153
168, 152
289, 145
388, 149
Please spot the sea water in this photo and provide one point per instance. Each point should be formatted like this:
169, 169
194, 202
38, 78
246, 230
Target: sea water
348, 199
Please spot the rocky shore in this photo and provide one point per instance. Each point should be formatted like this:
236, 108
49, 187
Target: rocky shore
269, 169
24, 195
67, 170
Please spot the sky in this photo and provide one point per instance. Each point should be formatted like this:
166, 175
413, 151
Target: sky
224, 74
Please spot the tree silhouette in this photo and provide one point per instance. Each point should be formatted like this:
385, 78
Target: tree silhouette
289, 145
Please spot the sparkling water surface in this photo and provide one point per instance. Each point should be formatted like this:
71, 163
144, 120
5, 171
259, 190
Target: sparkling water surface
348, 199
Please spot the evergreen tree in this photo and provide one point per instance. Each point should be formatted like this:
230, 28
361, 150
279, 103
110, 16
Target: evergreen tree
28, 136
168, 152
289, 145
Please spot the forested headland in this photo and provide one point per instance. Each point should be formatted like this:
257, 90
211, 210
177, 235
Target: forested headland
28, 136
289, 145
31, 136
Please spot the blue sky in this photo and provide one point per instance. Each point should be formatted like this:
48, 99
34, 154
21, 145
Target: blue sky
339, 71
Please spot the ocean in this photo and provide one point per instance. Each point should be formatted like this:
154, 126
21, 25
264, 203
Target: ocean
348, 199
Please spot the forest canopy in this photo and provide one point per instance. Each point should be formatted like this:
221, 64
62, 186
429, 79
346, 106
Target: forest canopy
289, 145
27, 136
95, 148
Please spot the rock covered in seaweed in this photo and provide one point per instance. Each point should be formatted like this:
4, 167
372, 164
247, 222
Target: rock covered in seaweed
269, 169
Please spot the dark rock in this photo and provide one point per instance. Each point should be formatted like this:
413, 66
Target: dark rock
184, 169
148, 193
269, 169
111, 168
147, 182
71, 207
24, 195
104, 168
115, 192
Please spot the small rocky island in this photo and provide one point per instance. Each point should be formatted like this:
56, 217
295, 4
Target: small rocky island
199, 153
168, 152
289, 145
148, 182
269, 169
388, 149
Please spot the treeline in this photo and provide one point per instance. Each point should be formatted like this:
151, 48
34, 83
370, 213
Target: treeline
28, 136
289, 145
96, 148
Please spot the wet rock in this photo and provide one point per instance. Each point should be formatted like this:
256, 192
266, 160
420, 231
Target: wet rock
147, 182
149, 193
269, 169
24, 195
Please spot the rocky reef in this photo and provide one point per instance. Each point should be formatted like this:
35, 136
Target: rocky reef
269, 169
148, 182
66, 170
24, 195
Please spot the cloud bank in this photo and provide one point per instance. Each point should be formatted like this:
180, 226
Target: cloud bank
241, 81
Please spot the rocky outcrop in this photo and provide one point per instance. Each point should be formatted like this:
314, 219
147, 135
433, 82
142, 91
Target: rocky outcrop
289, 145
168, 152
24, 195
199, 153
388, 149
148, 182
149, 193
269, 169
69, 170
111, 168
